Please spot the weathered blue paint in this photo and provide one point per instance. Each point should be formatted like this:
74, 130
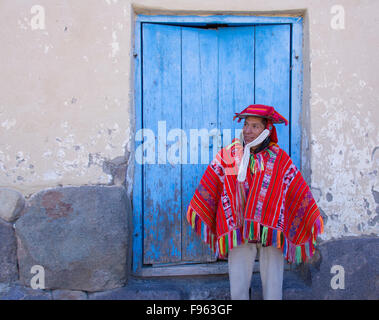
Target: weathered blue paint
272, 73
217, 19
211, 73
137, 202
199, 107
161, 91
236, 74
296, 90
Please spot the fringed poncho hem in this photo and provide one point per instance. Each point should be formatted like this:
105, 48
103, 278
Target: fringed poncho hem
253, 231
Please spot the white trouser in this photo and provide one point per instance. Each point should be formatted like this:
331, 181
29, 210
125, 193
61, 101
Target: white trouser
241, 262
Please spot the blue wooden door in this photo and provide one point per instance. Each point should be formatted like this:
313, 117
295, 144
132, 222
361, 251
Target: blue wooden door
193, 81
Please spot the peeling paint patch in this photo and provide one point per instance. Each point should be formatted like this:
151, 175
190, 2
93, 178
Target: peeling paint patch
373, 153
50, 176
115, 46
366, 203
117, 169
47, 154
9, 123
375, 194
372, 222
47, 47
23, 24
95, 159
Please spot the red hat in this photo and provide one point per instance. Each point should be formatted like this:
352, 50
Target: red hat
260, 110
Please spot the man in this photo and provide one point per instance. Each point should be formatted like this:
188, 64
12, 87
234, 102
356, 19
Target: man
252, 197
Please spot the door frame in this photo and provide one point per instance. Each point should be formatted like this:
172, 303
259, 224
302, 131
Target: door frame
296, 84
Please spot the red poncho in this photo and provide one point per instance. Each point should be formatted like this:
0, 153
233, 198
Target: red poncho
273, 206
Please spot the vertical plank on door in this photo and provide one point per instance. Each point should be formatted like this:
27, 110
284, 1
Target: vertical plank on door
161, 182
236, 76
199, 100
272, 73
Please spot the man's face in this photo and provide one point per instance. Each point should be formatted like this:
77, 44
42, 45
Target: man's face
252, 128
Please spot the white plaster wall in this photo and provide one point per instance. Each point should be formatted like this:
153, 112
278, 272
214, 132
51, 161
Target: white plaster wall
65, 92
66, 99
345, 119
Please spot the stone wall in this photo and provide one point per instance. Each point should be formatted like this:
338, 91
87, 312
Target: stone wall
81, 238
79, 235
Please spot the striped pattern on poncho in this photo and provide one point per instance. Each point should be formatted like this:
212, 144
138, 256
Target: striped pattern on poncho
273, 206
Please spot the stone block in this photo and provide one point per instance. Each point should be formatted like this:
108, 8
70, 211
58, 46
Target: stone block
79, 235
359, 274
69, 295
11, 204
17, 291
8, 249
138, 293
